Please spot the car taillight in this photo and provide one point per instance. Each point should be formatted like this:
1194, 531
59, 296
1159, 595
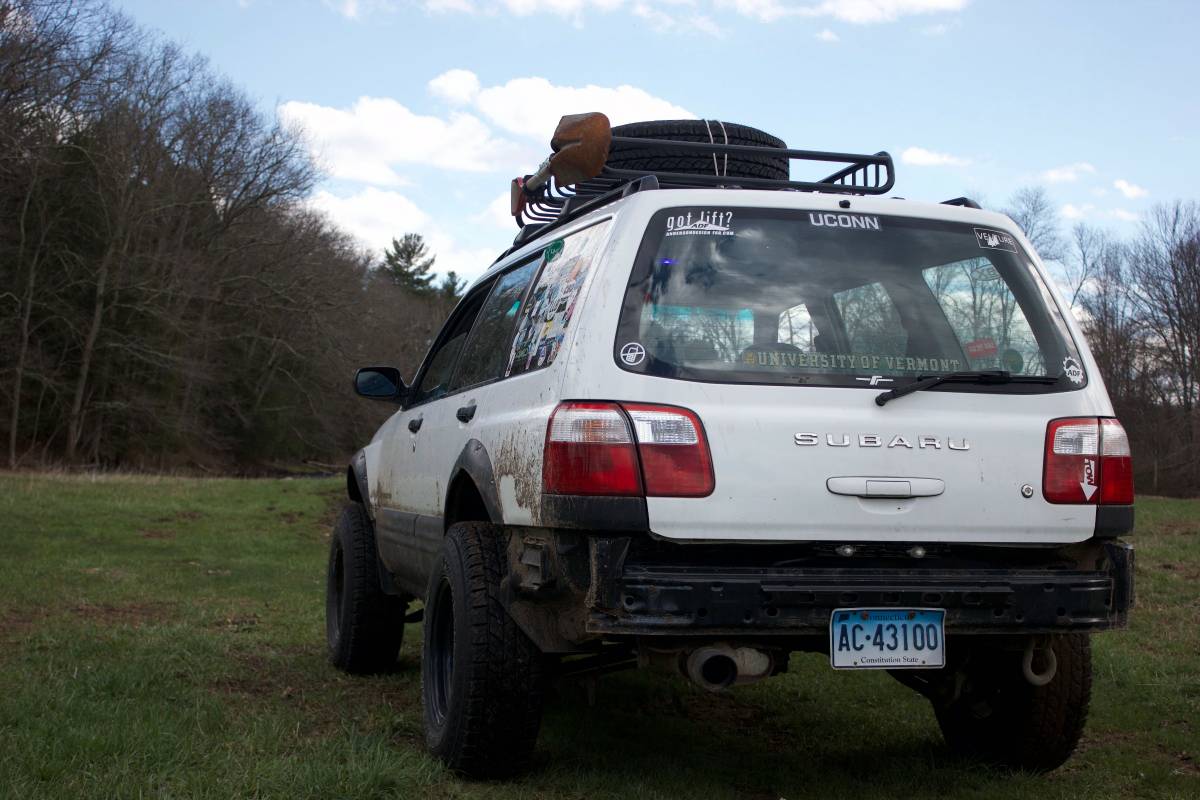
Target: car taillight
675, 457
591, 450
1087, 462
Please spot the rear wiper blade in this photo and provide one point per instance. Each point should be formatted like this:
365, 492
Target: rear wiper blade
984, 376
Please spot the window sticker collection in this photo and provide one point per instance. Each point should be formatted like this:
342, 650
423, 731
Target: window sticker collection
565, 266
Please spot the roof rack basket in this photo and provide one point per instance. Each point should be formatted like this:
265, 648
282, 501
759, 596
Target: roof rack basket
551, 203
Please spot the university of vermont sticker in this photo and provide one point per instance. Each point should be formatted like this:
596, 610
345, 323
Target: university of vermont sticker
995, 240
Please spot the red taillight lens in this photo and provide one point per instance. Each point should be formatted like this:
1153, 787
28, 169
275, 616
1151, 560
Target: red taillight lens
1087, 462
675, 457
590, 450
1116, 464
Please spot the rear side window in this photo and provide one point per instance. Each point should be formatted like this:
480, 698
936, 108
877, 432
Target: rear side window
485, 353
565, 265
781, 296
434, 382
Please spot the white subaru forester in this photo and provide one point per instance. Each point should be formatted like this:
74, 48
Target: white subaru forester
705, 415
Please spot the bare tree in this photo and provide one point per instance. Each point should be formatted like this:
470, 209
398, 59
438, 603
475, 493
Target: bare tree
1034, 212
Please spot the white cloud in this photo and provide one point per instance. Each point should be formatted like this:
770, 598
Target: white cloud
373, 216
532, 106
920, 157
1068, 173
827, 36
1123, 215
856, 12
364, 142
940, 29
457, 86
376, 216
1130, 190
1077, 212
498, 213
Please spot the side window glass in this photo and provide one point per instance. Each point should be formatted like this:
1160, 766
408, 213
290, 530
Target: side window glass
872, 323
435, 381
987, 320
487, 347
566, 264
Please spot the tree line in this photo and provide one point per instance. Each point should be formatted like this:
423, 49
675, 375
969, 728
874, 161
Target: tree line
166, 297
168, 300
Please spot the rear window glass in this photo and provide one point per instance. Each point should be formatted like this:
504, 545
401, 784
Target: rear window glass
798, 297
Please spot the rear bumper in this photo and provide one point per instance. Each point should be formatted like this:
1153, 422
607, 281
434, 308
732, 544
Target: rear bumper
1086, 588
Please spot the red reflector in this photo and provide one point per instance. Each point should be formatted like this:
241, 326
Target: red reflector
590, 451
1087, 461
675, 457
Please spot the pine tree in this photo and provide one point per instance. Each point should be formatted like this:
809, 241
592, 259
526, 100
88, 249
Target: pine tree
407, 262
452, 286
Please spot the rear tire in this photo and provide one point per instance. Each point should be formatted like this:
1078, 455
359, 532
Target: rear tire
364, 626
1001, 717
481, 676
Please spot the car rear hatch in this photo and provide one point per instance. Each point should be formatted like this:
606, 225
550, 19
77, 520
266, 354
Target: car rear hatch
781, 328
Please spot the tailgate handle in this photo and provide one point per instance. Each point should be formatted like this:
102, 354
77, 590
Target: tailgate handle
885, 486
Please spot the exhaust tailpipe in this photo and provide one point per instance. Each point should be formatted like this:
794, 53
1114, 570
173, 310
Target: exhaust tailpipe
717, 667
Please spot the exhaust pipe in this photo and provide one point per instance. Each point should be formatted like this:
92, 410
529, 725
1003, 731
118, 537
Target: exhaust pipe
717, 667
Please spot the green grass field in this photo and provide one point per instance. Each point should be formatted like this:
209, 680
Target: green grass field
164, 637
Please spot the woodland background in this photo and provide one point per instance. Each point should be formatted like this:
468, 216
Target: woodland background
168, 300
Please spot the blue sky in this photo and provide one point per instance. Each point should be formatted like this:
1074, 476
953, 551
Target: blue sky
421, 111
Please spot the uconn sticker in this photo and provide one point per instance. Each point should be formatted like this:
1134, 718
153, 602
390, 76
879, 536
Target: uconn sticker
844, 221
995, 240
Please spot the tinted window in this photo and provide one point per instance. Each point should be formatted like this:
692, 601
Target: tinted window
440, 363
793, 297
566, 264
486, 349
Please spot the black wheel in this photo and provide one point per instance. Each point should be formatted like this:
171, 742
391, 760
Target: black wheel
1001, 717
481, 677
364, 627
650, 159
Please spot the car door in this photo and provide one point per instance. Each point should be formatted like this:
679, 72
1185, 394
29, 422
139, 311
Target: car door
409, 503
481, 364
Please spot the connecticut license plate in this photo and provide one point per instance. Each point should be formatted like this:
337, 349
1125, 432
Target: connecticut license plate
887, 638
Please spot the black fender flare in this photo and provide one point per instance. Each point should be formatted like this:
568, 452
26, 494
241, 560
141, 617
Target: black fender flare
475, 463
356, 481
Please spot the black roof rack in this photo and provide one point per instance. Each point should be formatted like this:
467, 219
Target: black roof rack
551, 204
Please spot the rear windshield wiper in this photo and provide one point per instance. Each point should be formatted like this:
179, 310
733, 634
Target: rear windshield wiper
983, 376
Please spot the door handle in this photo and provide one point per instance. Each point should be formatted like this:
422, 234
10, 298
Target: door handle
892, 487
414, 424
466, 413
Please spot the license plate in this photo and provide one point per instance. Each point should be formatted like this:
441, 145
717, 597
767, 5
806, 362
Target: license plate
887, 638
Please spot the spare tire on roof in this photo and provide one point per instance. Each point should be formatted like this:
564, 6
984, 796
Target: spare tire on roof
663, 159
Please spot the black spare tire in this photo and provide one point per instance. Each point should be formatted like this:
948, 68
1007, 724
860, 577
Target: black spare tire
665, 159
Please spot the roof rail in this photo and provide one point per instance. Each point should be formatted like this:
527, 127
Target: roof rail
551, 203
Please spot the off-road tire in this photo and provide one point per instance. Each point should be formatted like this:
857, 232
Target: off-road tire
1002, 718
739, 165
364, 626
482, 679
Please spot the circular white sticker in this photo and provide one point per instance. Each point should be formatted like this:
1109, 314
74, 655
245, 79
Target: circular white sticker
1072, 370
633, 354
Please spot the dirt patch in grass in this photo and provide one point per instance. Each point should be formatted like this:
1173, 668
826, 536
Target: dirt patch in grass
135, 615
16, 623
156, 534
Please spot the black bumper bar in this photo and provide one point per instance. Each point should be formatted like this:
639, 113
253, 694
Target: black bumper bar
672, 599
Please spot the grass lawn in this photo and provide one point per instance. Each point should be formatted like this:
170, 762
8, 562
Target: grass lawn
164, 637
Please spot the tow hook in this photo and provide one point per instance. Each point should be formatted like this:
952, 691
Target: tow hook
1035, 678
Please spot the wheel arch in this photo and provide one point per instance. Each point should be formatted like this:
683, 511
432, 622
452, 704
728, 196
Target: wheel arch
472, 492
